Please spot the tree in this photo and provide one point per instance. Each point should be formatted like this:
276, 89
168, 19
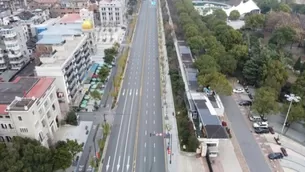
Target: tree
220, 14
284, 7
96, 95
71, 118
274, 75
298, 87
234, 15
192, 143
227, 64
296, 113
240, 53
230, 37
108, 59
217, 82
206, 64
62, 158
214, 48
267, 5
111, 51
103, 73
265, 101
254, 21
298, 64
196, 44
73, 147
283, 36
191, 31
106, 129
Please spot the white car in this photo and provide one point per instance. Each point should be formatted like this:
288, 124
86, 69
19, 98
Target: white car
260, 125
238, 90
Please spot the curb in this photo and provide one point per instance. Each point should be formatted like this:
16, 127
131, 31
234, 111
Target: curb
128, 55
104, 152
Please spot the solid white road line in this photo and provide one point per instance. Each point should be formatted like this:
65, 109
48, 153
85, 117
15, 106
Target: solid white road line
128, 130
127, 166
107, 166
120, 129
118, 166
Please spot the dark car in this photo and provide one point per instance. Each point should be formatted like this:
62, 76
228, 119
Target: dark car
250, 96
245, 103
261, 130
284, 151
275, 155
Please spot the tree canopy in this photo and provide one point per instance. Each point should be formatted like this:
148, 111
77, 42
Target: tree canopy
265, 101
234, 15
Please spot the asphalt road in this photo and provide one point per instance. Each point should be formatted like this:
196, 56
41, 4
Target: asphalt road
249, 147
138, 114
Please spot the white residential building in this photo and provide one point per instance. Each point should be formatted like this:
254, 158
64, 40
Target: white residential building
112, 13
29, 108
67, 58
14, 53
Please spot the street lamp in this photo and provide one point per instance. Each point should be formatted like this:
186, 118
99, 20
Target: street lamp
291, 98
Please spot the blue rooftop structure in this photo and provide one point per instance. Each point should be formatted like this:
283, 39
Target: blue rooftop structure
90, 73
51, 40
62, 30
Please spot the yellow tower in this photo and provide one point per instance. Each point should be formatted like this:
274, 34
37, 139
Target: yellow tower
87, 25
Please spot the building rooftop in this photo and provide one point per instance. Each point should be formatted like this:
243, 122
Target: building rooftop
51, 40
70, 18
62, 30
27, 87
60, 57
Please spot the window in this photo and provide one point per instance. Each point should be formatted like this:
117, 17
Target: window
40, 111
11, 126
19, 117
23, 130
53, 106
41, 137
7, 116
43, 122
49, 114
1, 116
51, 96
46, 104
4, 126
2, 139
33, 112
8, 138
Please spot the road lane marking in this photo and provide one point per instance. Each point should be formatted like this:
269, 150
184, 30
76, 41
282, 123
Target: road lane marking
128, 130
146, 96
144, 158
127, 166
123, 92
154, 159
154, 112
145, 144
120, 129
153, 89
118, 166
130, 92
154, 145
145, 132
154, 121
107, 166
154, 104
128, 83
137, 92
146, 121
146, 112
153, 83
154, 96
146, 104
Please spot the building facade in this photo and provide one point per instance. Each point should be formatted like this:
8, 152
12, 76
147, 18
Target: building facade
14, 54
112, 13
68, 60
31, 109
68, 7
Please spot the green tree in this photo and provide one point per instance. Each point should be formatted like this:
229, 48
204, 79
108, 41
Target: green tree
217, 82
266, 5
274, 75
103, 73
206, 64
234, 15
96, 95
228, 64
230, 37
192, 143
62, 158
74, 147
240, 53
214, 48
296, 112
191, 31
298, 87
106, 129
284, 7
108, 59
298, 64
196, 44
283, 36
265, 101
220, 14
111, 51
255, 21
71, 118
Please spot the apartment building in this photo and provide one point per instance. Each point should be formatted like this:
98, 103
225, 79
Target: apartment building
63, 7
14, 53
112, 13
64, 55
13, 5
29, 108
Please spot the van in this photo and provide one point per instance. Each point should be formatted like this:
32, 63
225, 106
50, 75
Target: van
255, 118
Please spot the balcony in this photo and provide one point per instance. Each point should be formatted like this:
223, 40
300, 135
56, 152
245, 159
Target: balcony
3, 67
10, 35
17, 66
16, 60
15, 48
14, 54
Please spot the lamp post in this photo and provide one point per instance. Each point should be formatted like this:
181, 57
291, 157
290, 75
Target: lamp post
291, 98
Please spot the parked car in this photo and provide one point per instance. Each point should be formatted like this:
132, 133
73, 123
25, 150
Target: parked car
260, 125
275, 155
245, 103
238, 90
261, 130
271, 130
284, 151
255, 118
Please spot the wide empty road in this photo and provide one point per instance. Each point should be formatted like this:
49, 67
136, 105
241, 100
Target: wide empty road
133, 145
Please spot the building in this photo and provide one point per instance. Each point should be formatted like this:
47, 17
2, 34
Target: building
29, 108
112, 13
204, 105
13, 5
244, 8
14, 53
64, 54
63, 7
